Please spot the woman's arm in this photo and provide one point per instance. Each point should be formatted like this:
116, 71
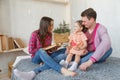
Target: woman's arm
32, 48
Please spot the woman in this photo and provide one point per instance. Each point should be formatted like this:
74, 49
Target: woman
39, 39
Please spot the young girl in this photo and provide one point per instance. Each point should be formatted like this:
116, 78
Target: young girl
78, 44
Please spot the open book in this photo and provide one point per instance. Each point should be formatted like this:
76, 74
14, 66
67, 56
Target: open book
54, 46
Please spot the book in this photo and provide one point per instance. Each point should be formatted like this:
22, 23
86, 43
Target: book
52, 47
19, 43
10, 43
4, 42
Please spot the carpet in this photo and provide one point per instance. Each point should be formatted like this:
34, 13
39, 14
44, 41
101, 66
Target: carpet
108, 70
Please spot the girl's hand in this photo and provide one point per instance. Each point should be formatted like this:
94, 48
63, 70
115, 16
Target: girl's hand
68, 49
76, 48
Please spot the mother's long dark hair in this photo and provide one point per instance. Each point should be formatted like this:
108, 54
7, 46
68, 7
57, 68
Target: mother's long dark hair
45, 22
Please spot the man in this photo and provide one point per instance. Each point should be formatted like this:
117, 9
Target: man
99, 44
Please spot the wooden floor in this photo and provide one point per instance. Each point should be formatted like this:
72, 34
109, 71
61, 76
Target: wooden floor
5, 58
4, 77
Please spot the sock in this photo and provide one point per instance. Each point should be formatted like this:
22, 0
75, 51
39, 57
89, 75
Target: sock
73, 67
71, 63
24, 75
64, 63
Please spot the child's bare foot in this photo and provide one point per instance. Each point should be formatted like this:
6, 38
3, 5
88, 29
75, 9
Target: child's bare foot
85, 65
66, 72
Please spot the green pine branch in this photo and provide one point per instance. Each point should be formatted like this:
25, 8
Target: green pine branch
63, 28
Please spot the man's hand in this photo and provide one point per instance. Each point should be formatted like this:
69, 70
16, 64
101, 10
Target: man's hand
84, 66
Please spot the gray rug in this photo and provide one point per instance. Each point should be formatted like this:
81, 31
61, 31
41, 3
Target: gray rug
108, 70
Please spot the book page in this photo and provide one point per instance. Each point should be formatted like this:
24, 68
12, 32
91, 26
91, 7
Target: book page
50, 47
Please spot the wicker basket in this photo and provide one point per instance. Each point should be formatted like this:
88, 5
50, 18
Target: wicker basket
61, 37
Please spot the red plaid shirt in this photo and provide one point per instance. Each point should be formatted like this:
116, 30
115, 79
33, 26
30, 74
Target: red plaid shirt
35, 44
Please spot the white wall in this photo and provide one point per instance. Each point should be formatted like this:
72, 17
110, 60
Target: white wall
4, 17
108, 14
77, 6
26, 14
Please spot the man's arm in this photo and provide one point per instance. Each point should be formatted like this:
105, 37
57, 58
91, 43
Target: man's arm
104, 45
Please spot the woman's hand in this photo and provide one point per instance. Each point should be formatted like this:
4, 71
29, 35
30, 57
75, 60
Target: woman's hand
52, 50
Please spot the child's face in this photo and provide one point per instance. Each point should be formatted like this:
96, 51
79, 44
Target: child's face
77, 27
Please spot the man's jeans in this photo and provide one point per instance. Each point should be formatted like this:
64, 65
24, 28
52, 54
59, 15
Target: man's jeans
87, 57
